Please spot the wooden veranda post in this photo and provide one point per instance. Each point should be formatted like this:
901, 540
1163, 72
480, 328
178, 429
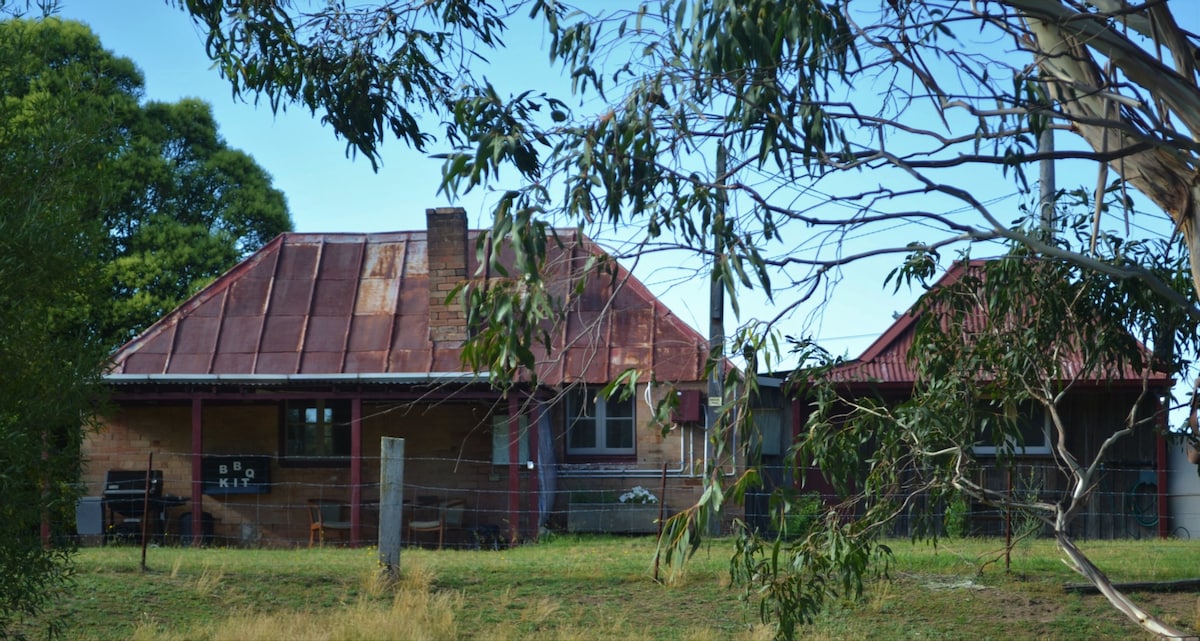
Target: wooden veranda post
514, 479
146, 505
355, 472
197, 472
391, 502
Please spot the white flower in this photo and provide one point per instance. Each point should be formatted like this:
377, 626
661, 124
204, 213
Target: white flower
638, 495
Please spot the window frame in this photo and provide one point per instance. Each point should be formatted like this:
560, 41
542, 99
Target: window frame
338, 427
600, 420
985, 447
500, 440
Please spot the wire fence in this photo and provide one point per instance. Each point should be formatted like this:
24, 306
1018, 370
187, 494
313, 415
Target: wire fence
257, 500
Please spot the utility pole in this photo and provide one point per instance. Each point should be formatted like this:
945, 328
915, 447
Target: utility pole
716, 330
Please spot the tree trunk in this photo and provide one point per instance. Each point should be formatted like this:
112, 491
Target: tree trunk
1144, 619
1155, 167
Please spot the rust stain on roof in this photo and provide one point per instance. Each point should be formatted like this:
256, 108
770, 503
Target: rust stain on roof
359, 304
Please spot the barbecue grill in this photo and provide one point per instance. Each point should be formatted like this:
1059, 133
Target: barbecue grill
126, 497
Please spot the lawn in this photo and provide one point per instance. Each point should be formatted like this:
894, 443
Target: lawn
593, 588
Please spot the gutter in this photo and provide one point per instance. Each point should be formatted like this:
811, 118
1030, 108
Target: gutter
280, 379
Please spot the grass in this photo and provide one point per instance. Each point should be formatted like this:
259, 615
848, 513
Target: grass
592, 588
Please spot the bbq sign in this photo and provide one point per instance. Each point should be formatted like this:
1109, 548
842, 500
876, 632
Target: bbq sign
237, 474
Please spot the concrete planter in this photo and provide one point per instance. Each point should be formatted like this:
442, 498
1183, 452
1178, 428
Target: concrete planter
613, 518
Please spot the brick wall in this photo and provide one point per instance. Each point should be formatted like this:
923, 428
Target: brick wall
448, 448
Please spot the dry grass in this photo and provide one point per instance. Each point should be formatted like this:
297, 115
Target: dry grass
415, 612
592, 588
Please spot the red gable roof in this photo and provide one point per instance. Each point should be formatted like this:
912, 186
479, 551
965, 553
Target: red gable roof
337, 306
886, 362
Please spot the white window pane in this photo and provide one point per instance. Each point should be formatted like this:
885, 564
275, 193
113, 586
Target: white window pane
500, 440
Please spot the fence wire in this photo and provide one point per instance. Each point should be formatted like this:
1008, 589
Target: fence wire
276, 511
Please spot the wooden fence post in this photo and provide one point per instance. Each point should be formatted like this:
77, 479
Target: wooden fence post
391, 502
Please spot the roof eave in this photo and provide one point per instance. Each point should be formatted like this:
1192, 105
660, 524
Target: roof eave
393, 378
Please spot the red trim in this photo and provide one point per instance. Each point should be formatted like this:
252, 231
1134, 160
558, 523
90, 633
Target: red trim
355, 472
197, 472
535, 489
514, 482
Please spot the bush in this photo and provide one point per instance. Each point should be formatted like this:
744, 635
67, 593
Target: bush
957, 518
800, 516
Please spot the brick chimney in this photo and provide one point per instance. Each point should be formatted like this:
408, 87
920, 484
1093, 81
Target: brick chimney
446, 231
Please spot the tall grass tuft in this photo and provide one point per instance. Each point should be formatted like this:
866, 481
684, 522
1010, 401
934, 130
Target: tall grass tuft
209, 580
413, 613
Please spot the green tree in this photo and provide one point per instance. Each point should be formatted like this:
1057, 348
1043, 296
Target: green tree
185, 207
110, 214
179, 206
843, 132
50, 285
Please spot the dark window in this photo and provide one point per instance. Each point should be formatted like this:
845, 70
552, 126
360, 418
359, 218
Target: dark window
599, 426
1031, 438
316, 432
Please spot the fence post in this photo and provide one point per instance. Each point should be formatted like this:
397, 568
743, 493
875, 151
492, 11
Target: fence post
391, 502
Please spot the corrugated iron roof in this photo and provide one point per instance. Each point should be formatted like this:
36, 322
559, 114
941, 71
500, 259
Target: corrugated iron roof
333, 306
886, 361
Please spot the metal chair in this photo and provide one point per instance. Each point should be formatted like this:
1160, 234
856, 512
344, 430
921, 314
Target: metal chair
449, 515
326, 514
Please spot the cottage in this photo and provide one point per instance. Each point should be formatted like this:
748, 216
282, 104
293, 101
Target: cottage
1131, 499
271, 389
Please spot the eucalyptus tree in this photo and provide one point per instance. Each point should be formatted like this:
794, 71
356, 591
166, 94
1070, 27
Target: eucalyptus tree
852, 132
50, 285
110, 213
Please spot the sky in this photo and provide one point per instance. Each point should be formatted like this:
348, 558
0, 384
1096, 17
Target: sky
327, 191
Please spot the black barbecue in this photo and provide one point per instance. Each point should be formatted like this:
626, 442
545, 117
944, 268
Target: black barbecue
125, 499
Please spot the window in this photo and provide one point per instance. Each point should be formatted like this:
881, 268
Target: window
599, 426
768, 425
1033, 426
316, 432
500, 440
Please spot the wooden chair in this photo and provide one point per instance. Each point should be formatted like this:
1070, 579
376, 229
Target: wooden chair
447, 516
326, 514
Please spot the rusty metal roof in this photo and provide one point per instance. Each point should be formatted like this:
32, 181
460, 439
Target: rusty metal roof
885, 362
356, 307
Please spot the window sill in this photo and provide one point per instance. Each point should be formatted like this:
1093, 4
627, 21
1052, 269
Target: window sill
301, 462
575, 459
